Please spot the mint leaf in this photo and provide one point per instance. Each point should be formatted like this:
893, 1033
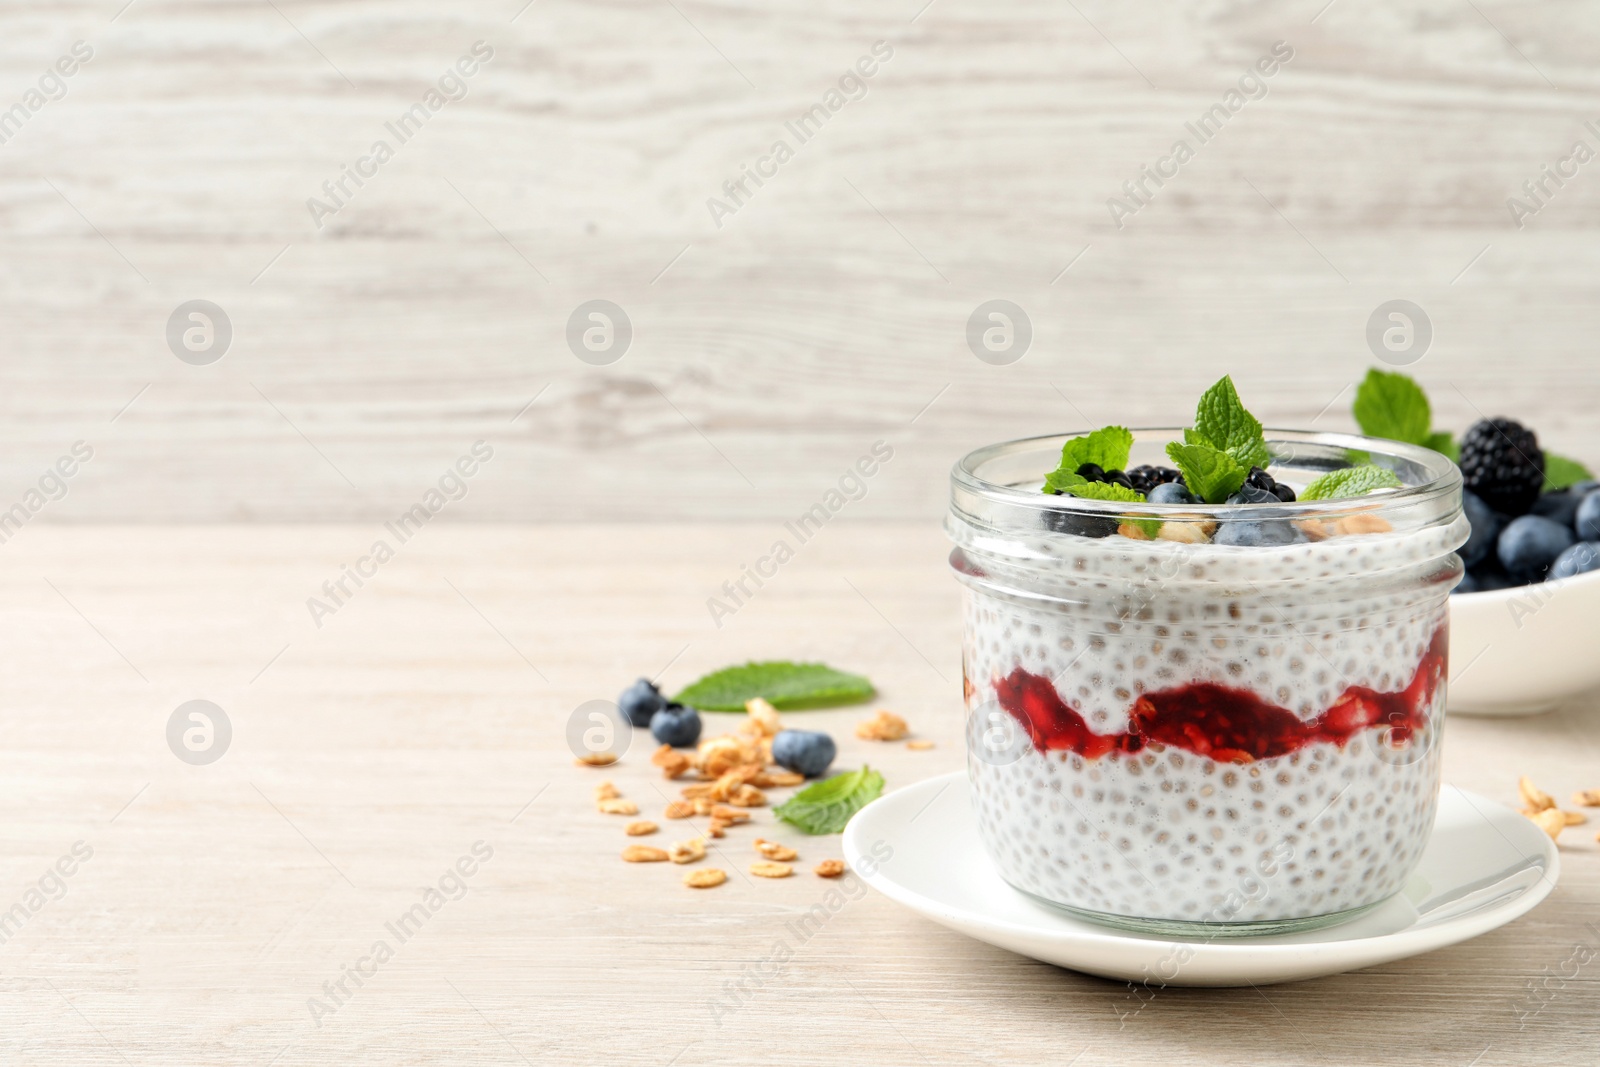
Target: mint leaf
1063, 481
784, 685
1210, 474
1104, 491
824, 807
1351, 481
1222, 422
1108, 447
1443, 442
1088, 490
1561, 472
1392, 405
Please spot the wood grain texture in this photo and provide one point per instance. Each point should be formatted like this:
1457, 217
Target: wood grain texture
429, 713
828, 311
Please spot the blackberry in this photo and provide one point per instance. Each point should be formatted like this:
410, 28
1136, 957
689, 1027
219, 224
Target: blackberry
1093, 472
1260, 479
1502, 462
1146, 478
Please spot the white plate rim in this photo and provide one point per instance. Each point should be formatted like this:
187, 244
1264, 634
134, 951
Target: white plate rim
1380, 948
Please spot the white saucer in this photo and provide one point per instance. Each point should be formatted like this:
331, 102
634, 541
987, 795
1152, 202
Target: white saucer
1484, 866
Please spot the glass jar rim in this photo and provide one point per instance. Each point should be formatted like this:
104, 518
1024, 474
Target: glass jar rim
1443, 479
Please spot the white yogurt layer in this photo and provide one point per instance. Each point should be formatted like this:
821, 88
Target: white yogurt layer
1162, 833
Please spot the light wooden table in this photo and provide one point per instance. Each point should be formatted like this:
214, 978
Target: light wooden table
428, 714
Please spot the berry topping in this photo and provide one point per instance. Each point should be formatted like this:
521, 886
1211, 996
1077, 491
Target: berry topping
1258, 534
1145, 478
1170, 493
640, 701
1559, 505
1253, 494
1530, 543
1586, 520
1502, 462
1579, 559
1485, 530
1260, 479
807, 752
676, 725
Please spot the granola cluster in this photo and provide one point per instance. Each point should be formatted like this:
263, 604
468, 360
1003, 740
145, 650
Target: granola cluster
1541, 807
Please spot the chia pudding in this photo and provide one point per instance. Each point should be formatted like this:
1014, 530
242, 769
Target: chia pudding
1166, 731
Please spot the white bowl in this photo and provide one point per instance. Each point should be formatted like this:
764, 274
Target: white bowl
1524, 650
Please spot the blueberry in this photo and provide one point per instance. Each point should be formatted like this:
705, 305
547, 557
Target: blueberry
676, 725
1531, 543
1119, 478
1485, 529
1581, 558
1587, 519
1284, 492
1170, 493
1561, 506
1092, 472
1583, 488
640, 701
1247, 534
1469, 584
1491, 576
806, 752
1251, 494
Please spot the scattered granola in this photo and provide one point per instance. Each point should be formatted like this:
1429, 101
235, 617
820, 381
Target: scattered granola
705, 878
673, 764
680, 809
767, 869
641, 828
644, 854
777, 779
772, 850
830, 868
729, 815
718, 755
1536, 799
605, 791
596, 759
747, 796
763, 719
618, 806
718, 828
1587, 798
703, 805
885, 726
1551, 822
919, 746
688, 851
1575, 818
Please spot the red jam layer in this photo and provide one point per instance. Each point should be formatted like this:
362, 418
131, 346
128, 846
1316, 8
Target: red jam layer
1222, 723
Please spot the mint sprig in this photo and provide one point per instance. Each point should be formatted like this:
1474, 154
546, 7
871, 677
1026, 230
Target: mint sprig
1351, 481
1212, 475
1392, 405
826, 806
1222, 422
787, 686
1107, 447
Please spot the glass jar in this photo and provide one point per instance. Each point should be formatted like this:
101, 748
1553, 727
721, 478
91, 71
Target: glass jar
1176, 735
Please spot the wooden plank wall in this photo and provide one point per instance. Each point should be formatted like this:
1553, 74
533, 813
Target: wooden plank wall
773, 344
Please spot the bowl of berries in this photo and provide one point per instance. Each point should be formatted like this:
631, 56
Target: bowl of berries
1521, 617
